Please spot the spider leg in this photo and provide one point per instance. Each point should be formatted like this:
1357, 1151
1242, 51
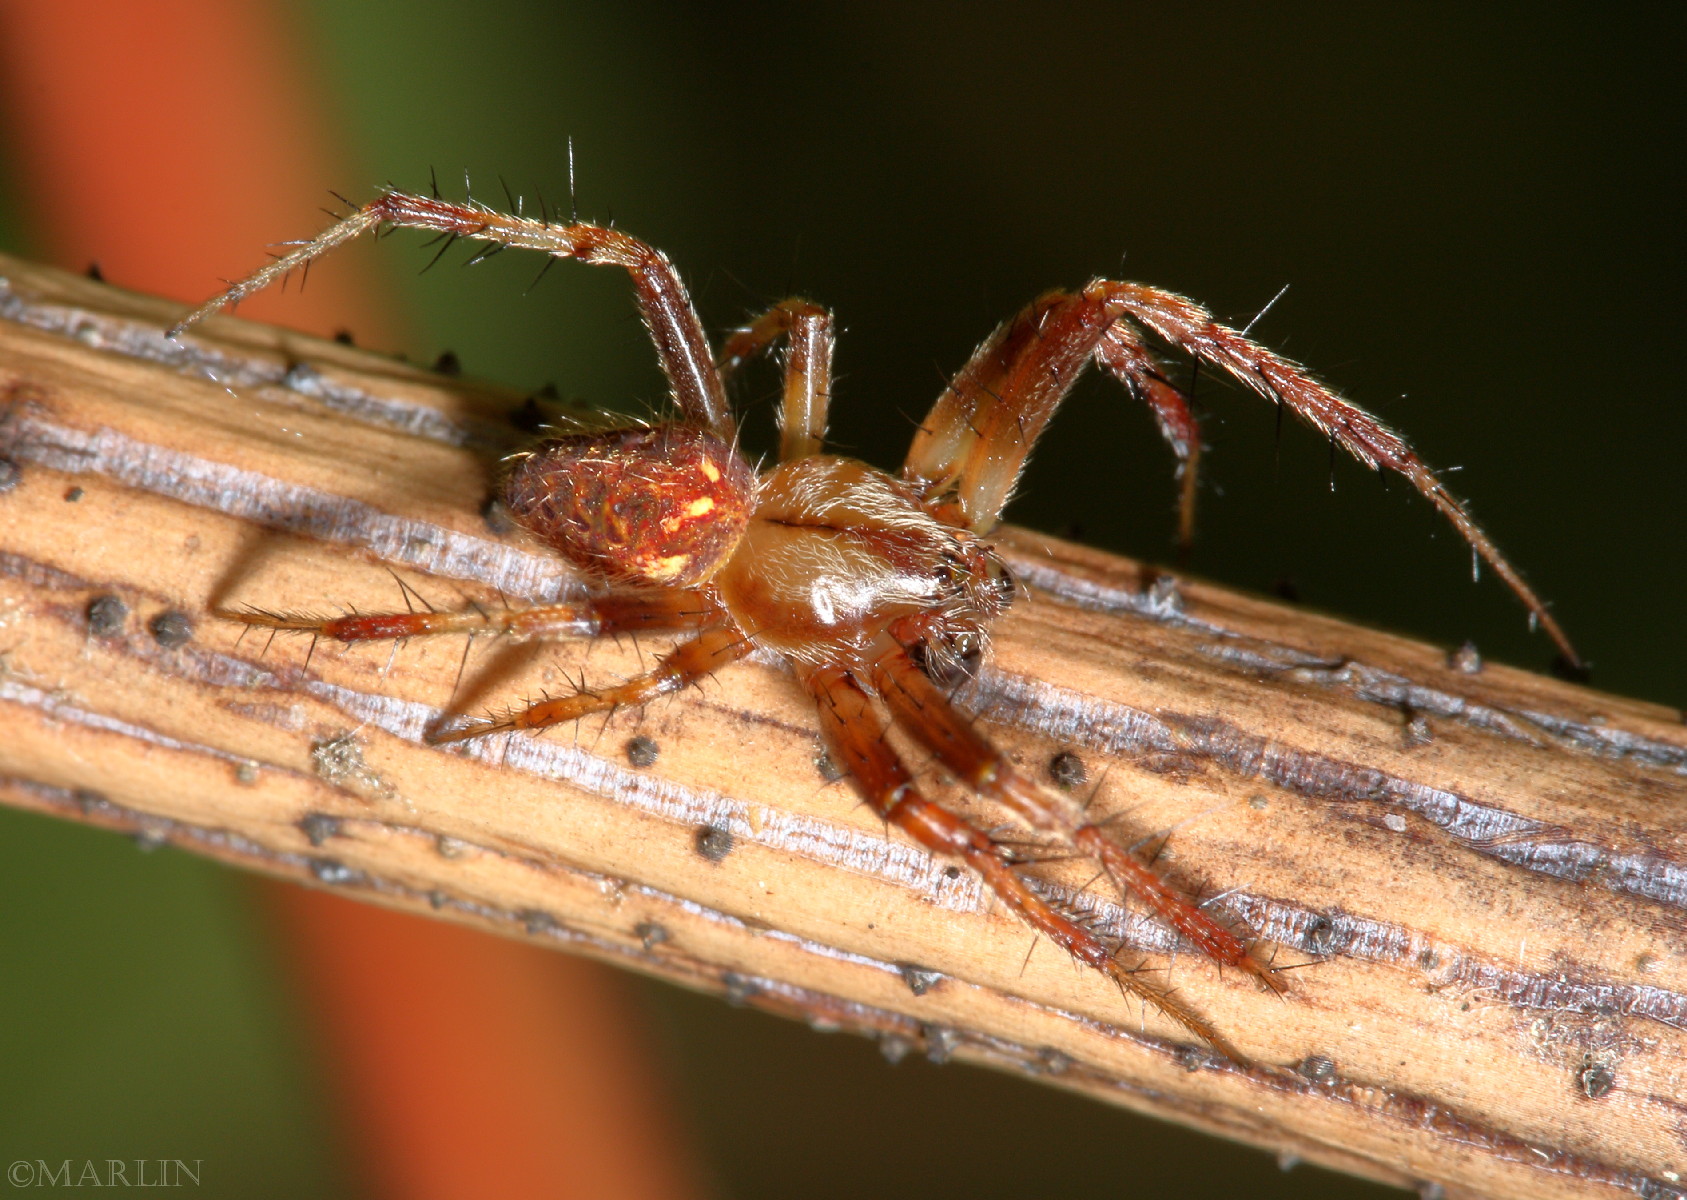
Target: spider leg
613, 612
808, 369
685, 664
1185, 324
938, 725
857, 737
1122, 352
662, 299
969, 453
971, 449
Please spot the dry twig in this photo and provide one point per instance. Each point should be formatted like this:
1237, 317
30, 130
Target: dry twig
1489, 868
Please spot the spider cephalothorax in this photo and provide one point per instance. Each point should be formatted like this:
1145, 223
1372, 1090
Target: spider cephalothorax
879, 589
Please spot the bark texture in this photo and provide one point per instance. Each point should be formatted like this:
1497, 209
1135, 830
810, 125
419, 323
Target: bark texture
1487, 868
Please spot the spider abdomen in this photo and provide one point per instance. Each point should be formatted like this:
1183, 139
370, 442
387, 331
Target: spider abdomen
661, 506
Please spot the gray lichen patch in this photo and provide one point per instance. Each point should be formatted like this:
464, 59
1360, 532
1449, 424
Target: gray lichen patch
339, 760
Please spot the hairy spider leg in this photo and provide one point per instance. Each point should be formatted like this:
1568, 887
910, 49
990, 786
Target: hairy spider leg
1184, 324
685, 664
591, 616
1123, 353
808, 369
938, 725
857, 736
969, 453
662, 299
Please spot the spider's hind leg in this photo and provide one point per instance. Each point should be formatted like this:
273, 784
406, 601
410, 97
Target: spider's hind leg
592, 616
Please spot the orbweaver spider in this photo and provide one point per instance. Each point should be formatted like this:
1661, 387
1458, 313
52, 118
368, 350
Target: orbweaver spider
878, 589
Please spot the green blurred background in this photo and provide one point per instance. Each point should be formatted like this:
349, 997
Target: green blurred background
1479, 212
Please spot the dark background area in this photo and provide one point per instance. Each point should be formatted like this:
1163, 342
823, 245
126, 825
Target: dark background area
1477, 211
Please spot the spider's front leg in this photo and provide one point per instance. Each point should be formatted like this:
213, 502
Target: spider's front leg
935, 722
970, 451
857, 736
662, 299
1131, 363
808, 369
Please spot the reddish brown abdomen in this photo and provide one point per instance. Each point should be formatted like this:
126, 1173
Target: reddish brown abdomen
659, 506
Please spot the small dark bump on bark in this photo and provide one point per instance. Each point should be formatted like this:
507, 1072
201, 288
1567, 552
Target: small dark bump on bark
1068, 770
1316, 1069
1595, 1081
1053, 1061
941, 1042
171, 629
1191, 1058
642, 751
1320, 937
536, 921
1467, 659
106, 615
319, 827
1570, 672
529, 415
496, 516
331, 871
300, 377
920, 980
739, 991
713, 842
10, 474
74, 494
448, 364
651, 934
828, 767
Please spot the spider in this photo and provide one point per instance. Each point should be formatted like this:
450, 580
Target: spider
878, 589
